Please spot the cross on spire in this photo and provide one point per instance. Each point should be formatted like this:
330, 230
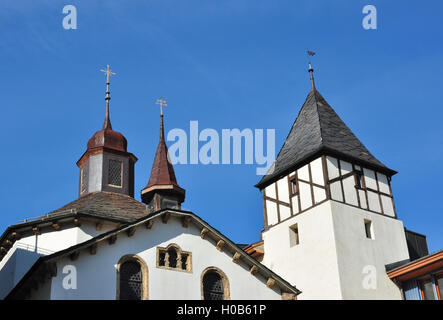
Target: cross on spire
162, 103
107, 124
108, 74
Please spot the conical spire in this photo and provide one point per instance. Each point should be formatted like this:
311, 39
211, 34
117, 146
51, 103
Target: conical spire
319, 130
162, 179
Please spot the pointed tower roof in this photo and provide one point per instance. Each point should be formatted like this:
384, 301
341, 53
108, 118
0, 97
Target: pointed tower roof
319, 130
162, 177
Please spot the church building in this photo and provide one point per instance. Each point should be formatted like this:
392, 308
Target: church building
331, 229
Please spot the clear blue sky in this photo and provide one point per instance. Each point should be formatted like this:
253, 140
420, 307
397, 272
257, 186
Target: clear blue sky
227, 64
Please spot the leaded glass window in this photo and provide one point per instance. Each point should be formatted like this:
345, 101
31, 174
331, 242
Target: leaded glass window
115, 173
213, 286
131, 282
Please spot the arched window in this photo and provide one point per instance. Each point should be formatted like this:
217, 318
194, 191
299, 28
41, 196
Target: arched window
130, 281
215, 285
174, 258
132, 278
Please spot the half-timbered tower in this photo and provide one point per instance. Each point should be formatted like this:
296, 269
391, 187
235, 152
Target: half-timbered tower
329, 215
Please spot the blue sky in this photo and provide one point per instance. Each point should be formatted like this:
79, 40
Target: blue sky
227, 64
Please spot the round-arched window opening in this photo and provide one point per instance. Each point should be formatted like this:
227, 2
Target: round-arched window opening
213, 286
130, 281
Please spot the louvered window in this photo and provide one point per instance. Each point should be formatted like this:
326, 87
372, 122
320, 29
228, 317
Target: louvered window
115, 173
83, 179
213, 286
130, 281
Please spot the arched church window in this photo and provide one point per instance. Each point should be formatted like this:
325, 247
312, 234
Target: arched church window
174, 258
213, 288
131, 281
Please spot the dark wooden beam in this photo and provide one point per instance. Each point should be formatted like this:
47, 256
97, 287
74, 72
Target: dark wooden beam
112, 239
186, 221
236, 257
74, 255
77, 222
99, 226
149, 224
165, 217
36, 231
220, 245
130, 231
93, 249
56, 226
203, 233
253, 270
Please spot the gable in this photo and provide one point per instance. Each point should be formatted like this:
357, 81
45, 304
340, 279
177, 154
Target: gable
142, 239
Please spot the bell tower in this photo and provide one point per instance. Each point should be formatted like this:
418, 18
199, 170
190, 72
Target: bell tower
330, 223
106, 165
162, 190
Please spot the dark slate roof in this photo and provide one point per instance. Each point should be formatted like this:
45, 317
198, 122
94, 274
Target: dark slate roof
107, 205
318, 129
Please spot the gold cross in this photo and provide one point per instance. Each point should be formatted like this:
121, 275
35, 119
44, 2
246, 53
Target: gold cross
108, 73
162, 103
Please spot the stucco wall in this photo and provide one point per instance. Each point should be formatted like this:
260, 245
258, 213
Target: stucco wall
97, 274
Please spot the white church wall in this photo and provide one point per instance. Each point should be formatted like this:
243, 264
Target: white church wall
97, 274
317, 172
95, 164
271, 211
283, 190
25, 251
310, 176
305, 195
312, 264
355, 251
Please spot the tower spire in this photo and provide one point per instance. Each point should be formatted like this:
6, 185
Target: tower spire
107, 123
161, 102
311, 70
162, 190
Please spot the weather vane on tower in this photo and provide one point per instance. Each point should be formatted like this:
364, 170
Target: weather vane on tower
311, 70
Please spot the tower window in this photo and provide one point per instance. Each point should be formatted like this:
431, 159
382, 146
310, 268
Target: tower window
293, 235
83, 180
293, 185
115, 172
368, 229
359, 180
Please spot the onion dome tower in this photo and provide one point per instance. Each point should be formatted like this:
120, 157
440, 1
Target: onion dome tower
106, 165
162, 190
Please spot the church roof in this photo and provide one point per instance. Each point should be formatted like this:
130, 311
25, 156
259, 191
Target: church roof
319, 130
102, 204
45, 264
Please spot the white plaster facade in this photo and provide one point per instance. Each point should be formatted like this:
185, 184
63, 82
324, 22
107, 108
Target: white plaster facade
333, 252
97, 274
25, 252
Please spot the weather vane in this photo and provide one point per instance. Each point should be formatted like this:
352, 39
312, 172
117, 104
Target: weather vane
162, 103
